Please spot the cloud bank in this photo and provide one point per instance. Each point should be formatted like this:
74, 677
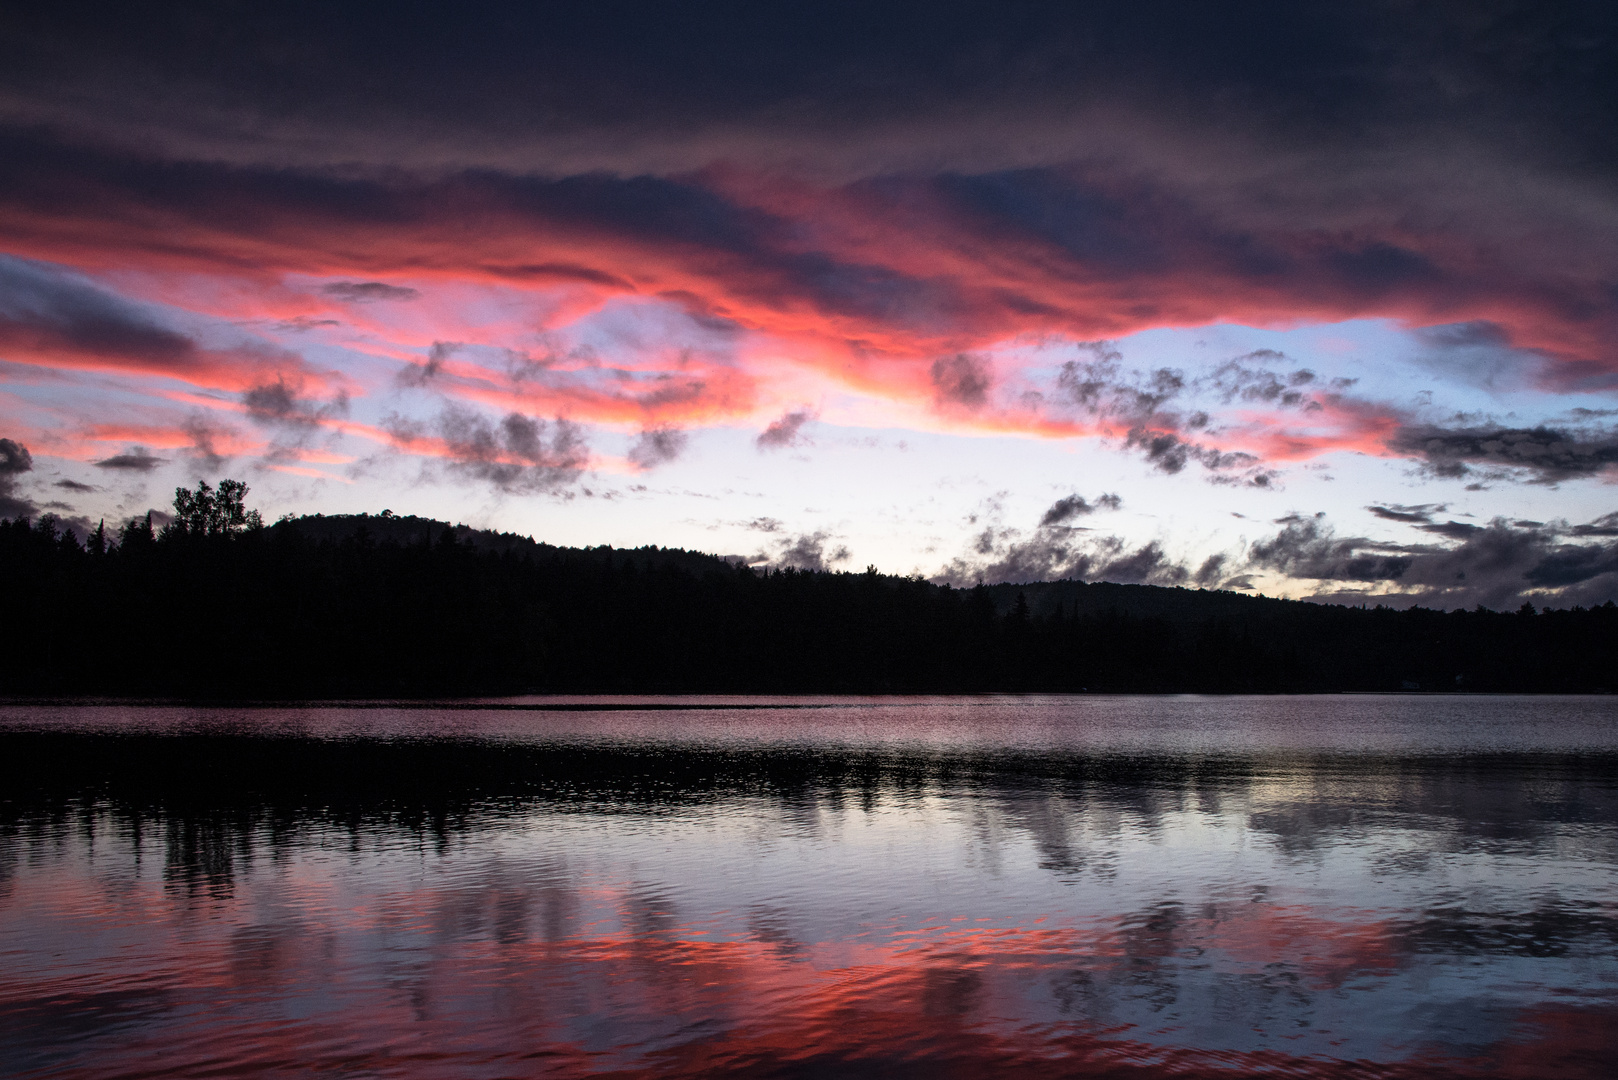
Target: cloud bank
1499, 565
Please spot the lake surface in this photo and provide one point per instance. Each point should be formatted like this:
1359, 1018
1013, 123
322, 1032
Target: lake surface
1343, 886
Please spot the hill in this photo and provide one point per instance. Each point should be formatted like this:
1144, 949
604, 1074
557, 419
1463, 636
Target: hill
363, 606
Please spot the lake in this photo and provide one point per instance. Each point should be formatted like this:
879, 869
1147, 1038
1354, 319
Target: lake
1342, 886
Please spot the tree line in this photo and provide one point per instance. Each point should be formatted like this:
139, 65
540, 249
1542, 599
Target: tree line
216, 604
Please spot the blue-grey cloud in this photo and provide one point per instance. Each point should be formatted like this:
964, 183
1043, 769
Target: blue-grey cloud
518, 454
785, 431
1069, 507
366, 292
135, 459
657, 446
962, 380
1498, 565
14, 461
1542, 455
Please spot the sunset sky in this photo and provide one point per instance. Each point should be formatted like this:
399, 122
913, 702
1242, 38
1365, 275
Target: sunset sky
1307, 299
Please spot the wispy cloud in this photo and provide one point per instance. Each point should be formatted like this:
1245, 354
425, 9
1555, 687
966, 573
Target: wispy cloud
367, 292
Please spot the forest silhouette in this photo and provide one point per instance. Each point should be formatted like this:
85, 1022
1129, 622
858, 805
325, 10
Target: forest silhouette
215, 604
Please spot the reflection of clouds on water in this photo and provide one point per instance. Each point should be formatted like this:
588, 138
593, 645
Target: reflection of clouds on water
1062, 832
48, 1032
1553, 928
688, 910
772, 926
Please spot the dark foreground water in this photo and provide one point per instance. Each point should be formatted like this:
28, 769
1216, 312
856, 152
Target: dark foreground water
1120, 887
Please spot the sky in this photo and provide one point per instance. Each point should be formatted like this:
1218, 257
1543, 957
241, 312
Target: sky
1313, 300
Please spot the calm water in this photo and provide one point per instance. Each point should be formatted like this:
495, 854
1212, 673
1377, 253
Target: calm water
1043, 886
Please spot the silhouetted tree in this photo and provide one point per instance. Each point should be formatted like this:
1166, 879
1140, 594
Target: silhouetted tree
136, 534
206, 512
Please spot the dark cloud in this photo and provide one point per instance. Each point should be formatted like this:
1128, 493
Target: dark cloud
851, 70
77, 525
1573, 564
521, 365
46, 310
55, 318
1169, 453
809, 551
1100, 387
74, 485
1421, 517
1468, 335
1306, 547
1142, 402
657, 446
279, 403
1221, 253
1605, 525
14, 458
670, 390
1055, 550
301, 324
1541, 455
206, 434
1453, 530
1498, 565
1479, 353
1212, 572
974, 172
519, 455
1072, 506
135, 459
1145, 565
428, 370
1419, 514
962, 380
785, 431
14, 461
365, 292
1145, 401
274, 402
1245, 379
1044, 557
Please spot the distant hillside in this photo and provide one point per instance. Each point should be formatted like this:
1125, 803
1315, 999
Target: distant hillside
1049, 598
1044, 598
370, 606
399, 529
409, 529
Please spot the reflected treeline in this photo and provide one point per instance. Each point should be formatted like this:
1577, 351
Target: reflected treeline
217, 796
367, 606
531, 901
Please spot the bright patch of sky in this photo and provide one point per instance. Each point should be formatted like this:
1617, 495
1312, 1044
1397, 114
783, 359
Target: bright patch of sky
870, 479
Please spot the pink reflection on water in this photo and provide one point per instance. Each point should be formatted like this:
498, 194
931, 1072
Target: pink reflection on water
286, 973
1295, 915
